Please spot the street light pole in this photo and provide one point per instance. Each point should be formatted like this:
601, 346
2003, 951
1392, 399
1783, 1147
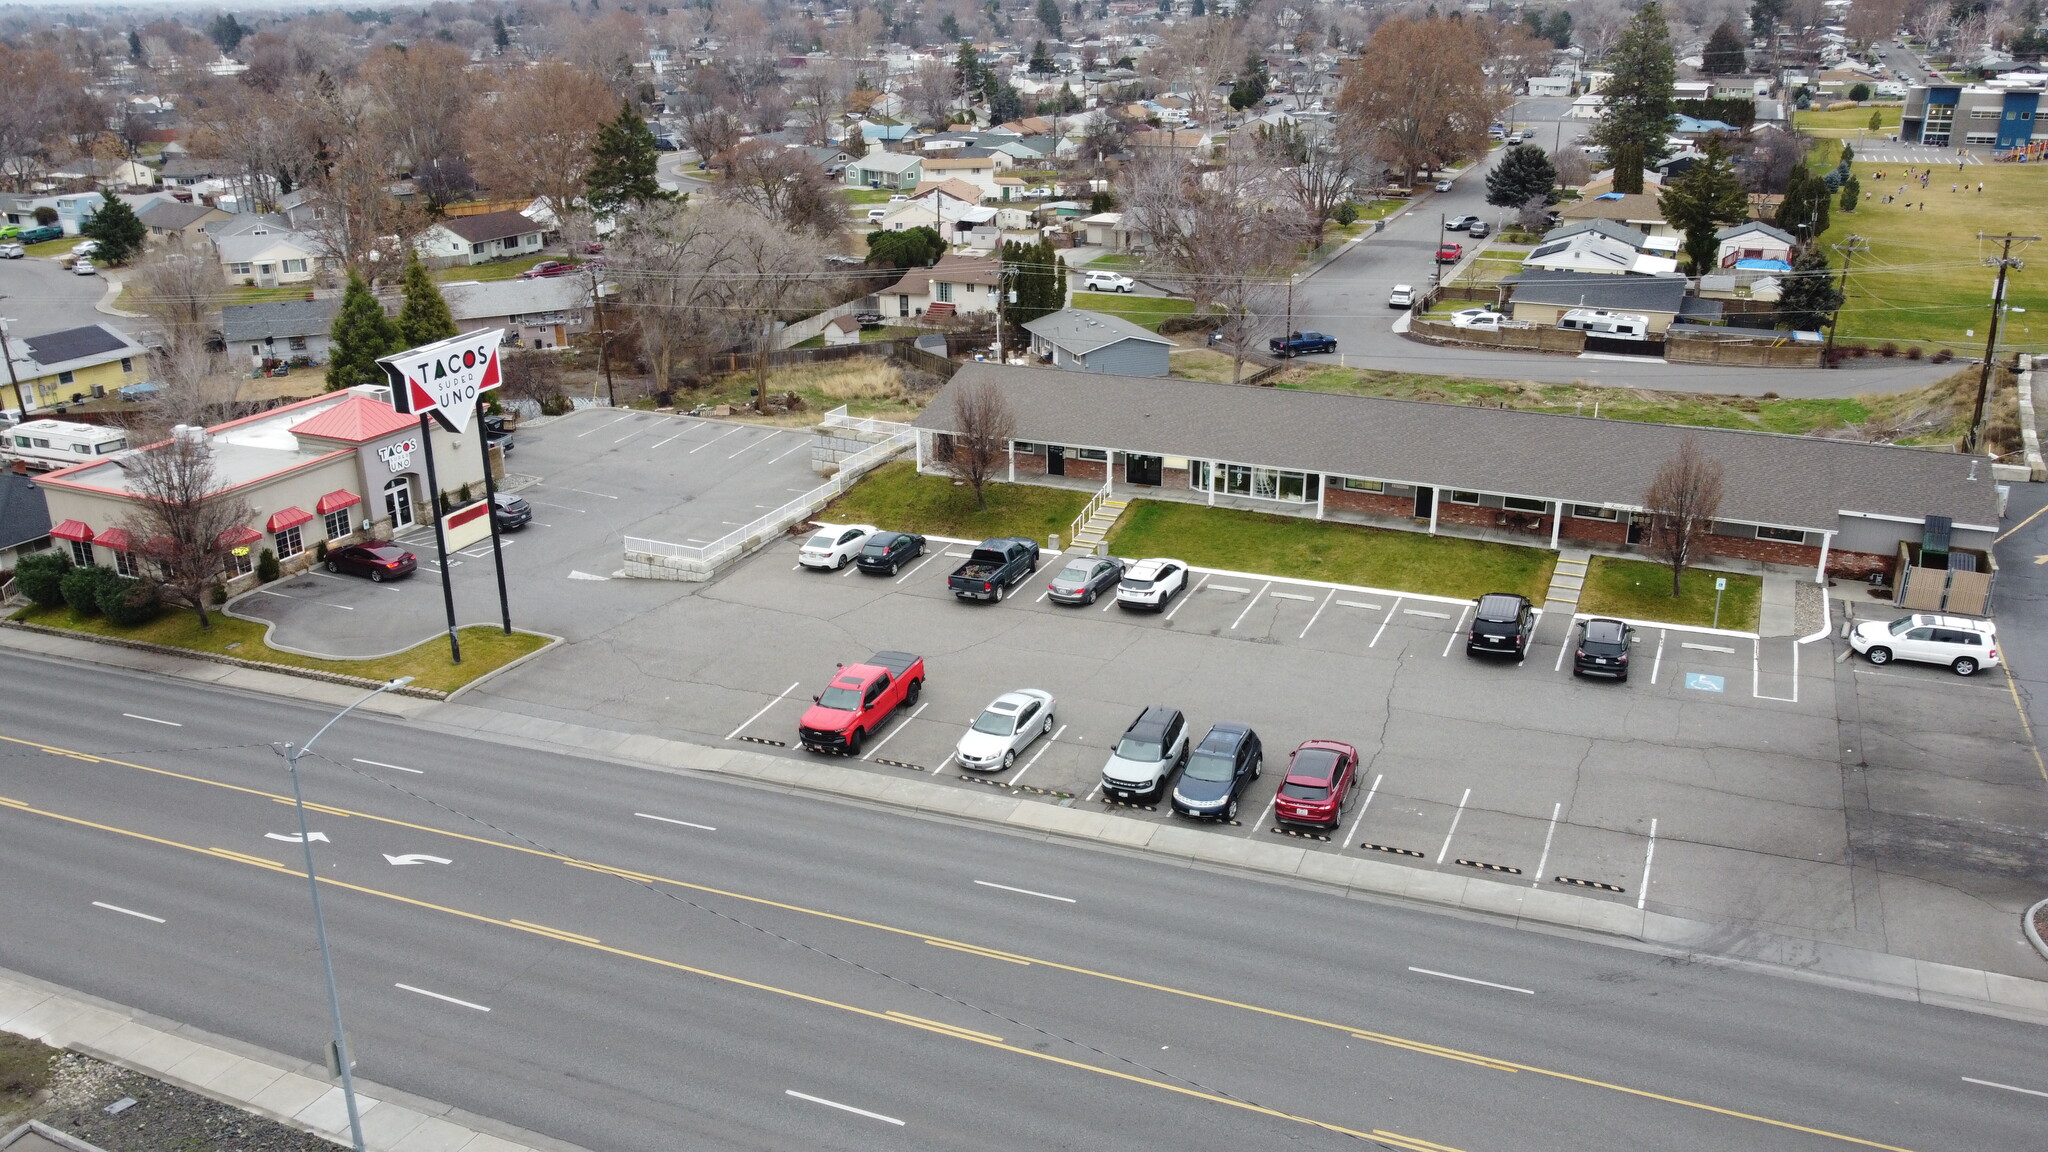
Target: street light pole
7, 353
337, 1047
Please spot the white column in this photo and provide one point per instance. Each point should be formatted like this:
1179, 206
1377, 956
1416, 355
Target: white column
1820, 571
1322, 485
1013, 461
1436, 497
917, 442
1211, 485
1556, 521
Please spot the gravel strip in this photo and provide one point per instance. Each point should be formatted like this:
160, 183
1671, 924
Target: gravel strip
164, 1118
1808, 608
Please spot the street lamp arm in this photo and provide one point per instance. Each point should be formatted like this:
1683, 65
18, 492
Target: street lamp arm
401, 682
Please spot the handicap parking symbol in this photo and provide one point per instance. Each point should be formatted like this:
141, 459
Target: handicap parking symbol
1706, 682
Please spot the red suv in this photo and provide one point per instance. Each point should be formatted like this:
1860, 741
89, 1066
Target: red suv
1318, 783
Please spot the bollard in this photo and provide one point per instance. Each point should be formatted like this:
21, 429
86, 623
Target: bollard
1052, 542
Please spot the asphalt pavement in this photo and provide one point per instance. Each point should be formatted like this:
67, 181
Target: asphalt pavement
39, 296
737, 967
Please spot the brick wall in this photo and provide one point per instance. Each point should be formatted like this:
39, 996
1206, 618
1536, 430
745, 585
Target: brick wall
1031, 465
1601, 531
1173, 478
1338, 499
1857, 565
1086, 469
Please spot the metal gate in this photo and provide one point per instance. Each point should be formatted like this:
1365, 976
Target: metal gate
1616, 347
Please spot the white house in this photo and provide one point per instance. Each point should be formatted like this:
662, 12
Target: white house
954, 285
544, 312
264, 251
1591, 251
1753, 240
480, 239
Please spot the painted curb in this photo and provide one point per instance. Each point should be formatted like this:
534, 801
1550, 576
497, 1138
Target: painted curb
2034, 934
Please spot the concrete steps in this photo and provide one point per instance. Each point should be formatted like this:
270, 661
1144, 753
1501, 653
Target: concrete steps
1566, 580
1098, 527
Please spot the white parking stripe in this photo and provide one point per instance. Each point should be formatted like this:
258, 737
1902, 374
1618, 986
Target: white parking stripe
898, 729
1049, 742
1203, 583
1556, 810
1359, 604
1318, 614
1455, 817
1649, 855
1292, 596
1248, 607
713, 440
605, 425
1384, 623
1374, 791
1456, 630
764, 710
913, 569
1658, 663
1704, 647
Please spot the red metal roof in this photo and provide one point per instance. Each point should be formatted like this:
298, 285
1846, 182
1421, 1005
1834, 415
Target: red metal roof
72, 530
336, 500
289, 518
356, 420
240, 535
116, 538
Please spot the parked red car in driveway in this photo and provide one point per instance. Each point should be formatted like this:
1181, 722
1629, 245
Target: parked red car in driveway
1320, 774
380, 562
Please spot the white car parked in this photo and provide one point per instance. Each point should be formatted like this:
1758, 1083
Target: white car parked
1009, 725
1485, 319
1100, 281
1152, 584
835, 545
1961, 643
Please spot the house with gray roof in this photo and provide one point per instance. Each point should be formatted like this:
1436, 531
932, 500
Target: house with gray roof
1542, 298
544, 312
1821, 505
279, 330
264, 250
481, 239
177, 222
24, 519
1075, 340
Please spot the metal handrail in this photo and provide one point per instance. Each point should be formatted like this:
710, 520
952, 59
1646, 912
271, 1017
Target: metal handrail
1089, 509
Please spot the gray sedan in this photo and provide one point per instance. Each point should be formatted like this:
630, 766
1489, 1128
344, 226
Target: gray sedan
1084, 578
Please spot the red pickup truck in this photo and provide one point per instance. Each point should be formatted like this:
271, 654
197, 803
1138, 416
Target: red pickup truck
860, 699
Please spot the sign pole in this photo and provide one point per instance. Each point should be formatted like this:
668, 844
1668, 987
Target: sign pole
491, 501
440, 538
1720, 586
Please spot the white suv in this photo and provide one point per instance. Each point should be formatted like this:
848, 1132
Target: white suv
1965, 645
1152, 584
1108, 282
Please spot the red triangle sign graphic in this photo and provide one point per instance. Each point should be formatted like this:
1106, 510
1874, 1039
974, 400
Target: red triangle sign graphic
490, 379
421, 401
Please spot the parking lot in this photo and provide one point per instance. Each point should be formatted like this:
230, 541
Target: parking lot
1729, 780
592, 477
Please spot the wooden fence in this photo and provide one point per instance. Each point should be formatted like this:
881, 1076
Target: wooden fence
1534, 339
905, 352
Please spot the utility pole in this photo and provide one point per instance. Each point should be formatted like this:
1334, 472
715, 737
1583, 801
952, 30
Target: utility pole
2004, 262
604, 336
7, 352
1848, 250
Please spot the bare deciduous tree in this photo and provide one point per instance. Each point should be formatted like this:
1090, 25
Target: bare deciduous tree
540, 131
784, 185
983, 426
181, 292
182, 519
1420, 93
1683, 500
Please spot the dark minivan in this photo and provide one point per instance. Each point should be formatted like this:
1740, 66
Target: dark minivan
1221, 767
1502, 625
1603, 648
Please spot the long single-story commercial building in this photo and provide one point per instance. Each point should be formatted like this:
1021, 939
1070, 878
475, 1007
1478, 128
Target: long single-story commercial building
1826, 506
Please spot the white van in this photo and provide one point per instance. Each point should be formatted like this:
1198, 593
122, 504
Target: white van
47, 444
1601, 322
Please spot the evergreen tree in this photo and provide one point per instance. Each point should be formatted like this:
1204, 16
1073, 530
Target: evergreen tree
1764, 16
1041, 60
949, 27
1810, 296
499, 36
1198, 10
1725, 54
1638, 112
362, 334
1698, 203
1049, 17
1559, 29
1004, 103
117, 232
1876, 121
424, 317
226, 32
134, 46
1804, 210
1034, 284
1852, 190
622, 164
1523, 173
967, 75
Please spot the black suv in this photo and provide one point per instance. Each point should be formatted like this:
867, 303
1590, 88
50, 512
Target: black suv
885, 552
511, 512
1603, 648
1221, 767
1502, 624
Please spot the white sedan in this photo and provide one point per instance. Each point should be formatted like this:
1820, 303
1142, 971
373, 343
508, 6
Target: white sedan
835, 545
1005, 728
1152, 584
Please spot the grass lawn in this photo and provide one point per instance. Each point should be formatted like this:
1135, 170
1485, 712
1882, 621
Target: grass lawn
1321, 550
1850, 123
1640, 590
1923, 279
51, 249
25, 1068
484, 647
496, 270
894, 496
1488, 269
244, 295
1144, 311
868, 386
1379, 209
1114, 260
867, 195
1206, 364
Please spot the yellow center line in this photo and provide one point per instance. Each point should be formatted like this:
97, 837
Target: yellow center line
1127, 981
2014, 686
984, 953
947, 1030
942, 1024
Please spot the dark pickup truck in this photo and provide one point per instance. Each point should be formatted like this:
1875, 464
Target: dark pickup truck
994, 568
1301, 344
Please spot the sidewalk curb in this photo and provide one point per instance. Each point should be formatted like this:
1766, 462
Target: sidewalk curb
2034, 934
254, 1079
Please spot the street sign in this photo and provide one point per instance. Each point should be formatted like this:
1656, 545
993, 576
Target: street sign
1720, 583
445, 377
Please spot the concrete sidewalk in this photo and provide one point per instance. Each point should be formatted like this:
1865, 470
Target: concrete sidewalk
247, 1077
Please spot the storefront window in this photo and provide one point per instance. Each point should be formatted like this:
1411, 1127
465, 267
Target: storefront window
337, 524
288, 544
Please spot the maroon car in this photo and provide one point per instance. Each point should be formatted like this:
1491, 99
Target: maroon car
380, 562
1319, 778
547, 268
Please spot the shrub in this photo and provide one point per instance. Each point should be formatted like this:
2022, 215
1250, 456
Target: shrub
1914, 353
465, 492
266, 566
1347, 213
128, 602
1943, 356
320, 550
555, 404
40, 576
220, 593
82, 587
1890, 349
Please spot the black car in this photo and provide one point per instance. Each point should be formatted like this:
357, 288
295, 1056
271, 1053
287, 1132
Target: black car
1084, 578
511, 512
380, 562
1603, 648
1218, 771
885, 552
1502, 625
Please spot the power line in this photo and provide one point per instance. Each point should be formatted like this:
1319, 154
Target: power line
2005, 261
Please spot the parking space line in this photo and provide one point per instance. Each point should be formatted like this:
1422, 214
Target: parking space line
1199, 585
599, 495
959, 555
1318, 614
1232, 588
1359, 604
764, 709
1470, 980
602, 427
1248, 607
914, 568
850, 570
1293, 596
1659, 661
799, 444
1563, 648
1756, 673
898, 729
1455, 817
714, 440
1049, 742
751, 444
1360, 818
1421, 612
1643, 893
1704, 647
1556, 810
1460, 627
679, 435
1383, 624
1260, 822
1966, 1080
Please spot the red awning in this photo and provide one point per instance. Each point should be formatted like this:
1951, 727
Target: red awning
239, 536
336, 500
72, 530
289, 518
116, 538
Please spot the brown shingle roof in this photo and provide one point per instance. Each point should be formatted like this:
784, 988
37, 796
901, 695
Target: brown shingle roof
950, 269
491, 226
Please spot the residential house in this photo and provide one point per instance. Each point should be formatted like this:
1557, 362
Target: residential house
1106, 230
184, 170
1753, 240
24, 519
1813, 505
72, 209
1542, 298
544, 312
1740, 87
956, 284
73, 365
841, 330
891, 171
1075, 340
976, 166
264, 251
1188, 143
1595, 252
334, 469
175, 222
480, 239
1550, 86
286, 330
1638, 210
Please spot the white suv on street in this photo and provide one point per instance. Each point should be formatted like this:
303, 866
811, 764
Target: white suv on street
1099, 281
1961, 643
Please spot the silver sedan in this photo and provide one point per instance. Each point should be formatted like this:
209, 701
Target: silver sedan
1005, 728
